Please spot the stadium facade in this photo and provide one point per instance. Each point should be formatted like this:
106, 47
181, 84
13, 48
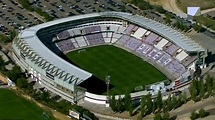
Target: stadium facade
38, 49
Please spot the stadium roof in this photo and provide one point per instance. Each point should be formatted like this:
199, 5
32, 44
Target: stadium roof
30, 37
172, 35
39, 48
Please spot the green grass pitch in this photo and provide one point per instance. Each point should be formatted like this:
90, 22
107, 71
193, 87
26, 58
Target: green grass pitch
15, 107
127, 71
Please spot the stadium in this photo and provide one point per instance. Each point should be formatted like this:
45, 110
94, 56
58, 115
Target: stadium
43, 51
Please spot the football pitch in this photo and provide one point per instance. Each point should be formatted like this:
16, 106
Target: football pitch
126, 70
15, 107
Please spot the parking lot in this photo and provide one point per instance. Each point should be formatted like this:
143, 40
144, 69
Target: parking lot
14, 16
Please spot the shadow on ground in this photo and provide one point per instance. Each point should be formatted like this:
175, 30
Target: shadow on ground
95, 85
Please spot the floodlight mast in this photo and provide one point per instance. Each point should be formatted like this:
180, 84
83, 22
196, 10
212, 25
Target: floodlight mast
107, 78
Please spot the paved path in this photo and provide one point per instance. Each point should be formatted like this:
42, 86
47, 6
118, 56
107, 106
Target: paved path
204, 40
190, 106
207, 10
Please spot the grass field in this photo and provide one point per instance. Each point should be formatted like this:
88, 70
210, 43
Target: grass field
126, 70
14, 107
210, 23
204, 4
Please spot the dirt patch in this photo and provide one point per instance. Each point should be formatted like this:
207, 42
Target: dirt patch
169, 5
204, 4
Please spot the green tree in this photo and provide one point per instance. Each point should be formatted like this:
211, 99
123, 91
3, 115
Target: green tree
160, 9
214, 87
143, 106
120, 106
113, 103
179, 101
135, 2
174, 101
159, 101
154, 107
193, 90
26, 4
193, 115
123, 8
202, 113
209, 83
15, 73
158, 116
166, 116
143, 5
12, 35
184, 97
169, 103
127, 101
1, 61
131, 108
165, 106
22, 83
167, 20
44, 96
4, 38
202, 89
149, 104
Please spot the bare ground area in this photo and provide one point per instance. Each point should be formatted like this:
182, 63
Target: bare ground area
204, 4
169, 5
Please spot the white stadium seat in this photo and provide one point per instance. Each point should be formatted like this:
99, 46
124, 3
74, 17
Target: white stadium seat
81, 42
161, 44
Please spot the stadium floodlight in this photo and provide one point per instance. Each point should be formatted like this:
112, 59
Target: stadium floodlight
107, 79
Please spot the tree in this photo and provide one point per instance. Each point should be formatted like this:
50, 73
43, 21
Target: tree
209, 83
214, 87
169, 103
127, 101
135, 2
22, 83
193, 115
184, 97
158, 116
15, 73
143, 106
179, 101
198, 28
123, 8
1, 61
160, 9
202, 113
149, 104
202, 89
159, 101
45, 96
4, 38
113, 103
120, 106
144, 5
154, 107
174, 102
165, 106
167, 20
193, 90
131, 110
12, 35
166, 116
